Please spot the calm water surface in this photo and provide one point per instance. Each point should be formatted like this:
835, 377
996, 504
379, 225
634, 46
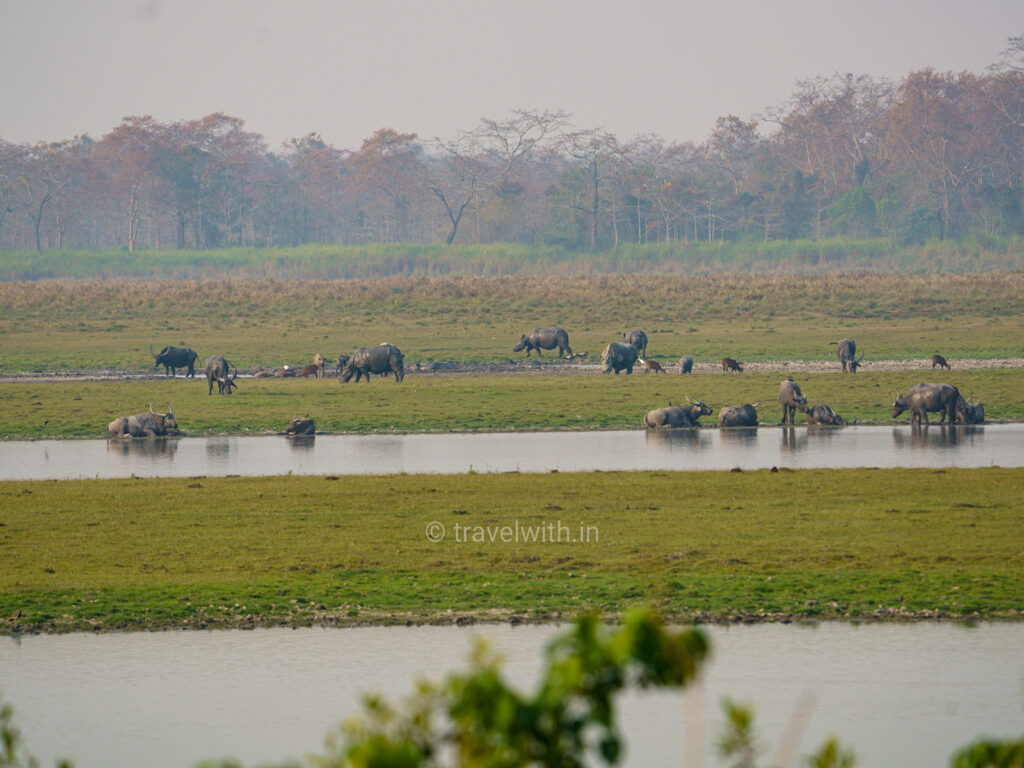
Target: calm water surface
899, 695
798, 447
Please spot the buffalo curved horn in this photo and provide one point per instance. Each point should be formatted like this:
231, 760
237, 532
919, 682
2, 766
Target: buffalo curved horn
756, 404
861, 357
170, 409
154, 354
234, 375
151, 408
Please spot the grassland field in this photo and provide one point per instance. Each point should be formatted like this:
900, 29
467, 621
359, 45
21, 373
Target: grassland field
209, 552
705, 546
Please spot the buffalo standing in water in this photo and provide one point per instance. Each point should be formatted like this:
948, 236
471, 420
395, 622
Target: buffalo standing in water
382, 359
792, 399
150, 424
846, 351
544, 338
922, 399
172, 358
618, 357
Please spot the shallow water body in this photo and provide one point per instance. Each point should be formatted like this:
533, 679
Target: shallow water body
898, 694
453, 453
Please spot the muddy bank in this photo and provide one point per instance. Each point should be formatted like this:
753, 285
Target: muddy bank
557, 367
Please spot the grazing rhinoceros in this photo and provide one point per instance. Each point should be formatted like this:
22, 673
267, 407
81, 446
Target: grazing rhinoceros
382, 359
618, 356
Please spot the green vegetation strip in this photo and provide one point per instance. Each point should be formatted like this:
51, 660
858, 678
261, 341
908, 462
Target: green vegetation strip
68, 325
558, 401
224, 552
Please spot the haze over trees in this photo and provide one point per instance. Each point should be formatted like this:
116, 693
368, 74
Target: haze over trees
937, 155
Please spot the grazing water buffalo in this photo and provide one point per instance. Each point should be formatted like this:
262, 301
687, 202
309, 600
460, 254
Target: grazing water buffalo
939, 360
618, 356
677, 415
301, 426
969, 411
738, 415
150, 424
730, 365
544, 338
173, 358
382, 359
685, 364
922, 399
217, 370
791, 399
823, 414
639, 341
846, 351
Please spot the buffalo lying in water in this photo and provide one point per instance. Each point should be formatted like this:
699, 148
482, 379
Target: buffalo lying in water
677, 415
823, 414
150, 424
738, 415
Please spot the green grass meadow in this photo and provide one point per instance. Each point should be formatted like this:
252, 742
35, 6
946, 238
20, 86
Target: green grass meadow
217, 552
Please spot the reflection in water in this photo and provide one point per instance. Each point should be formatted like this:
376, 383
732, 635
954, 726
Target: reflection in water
739, 436
937, 436
152, 447
301, 442
218, 448
669, 449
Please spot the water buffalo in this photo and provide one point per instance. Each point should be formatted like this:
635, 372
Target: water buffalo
791, 399
738, 415
544, 338
677, 415
823, 414
730, 365
382, 359
846, 351
639, 341
922, 399
969, 411
301, 426
685, 364
173, 358
618, 356
939, 360
217, 370
150, 424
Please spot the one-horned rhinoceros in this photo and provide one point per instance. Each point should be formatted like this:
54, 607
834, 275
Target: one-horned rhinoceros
791, 399
846, 351
638, 339
544, 338
823, 414
217, 371
677, 415
382, 359
618, 356
738, 415
685, 364
922, 399
173, 358
150, 424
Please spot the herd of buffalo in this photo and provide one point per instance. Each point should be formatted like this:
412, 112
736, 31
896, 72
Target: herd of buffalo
387, 359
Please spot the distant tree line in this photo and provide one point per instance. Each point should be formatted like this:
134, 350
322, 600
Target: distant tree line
938, 155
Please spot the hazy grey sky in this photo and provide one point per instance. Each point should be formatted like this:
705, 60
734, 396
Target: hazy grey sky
346, 68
